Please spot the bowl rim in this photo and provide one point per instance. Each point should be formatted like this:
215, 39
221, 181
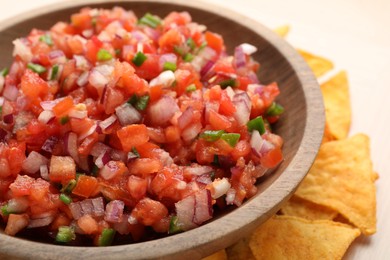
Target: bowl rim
251, 210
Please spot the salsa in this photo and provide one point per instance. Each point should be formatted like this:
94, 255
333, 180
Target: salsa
113, 126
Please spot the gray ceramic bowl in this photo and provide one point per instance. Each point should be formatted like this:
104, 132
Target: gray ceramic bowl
301, 127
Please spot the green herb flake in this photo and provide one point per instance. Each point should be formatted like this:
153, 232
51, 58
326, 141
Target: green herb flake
64, 120
191, 88
65, 199
135, 152
139, 59
178, 50
4, 72
65, 234
69, 187
103, 55
211, 135
256, 124
275, 110
46, 38
142, 102
169, 66
107, 236
95, 170
174, 226
54, 72
188, 57
4, 210
150, 20
36, 68
229, 82
133, 100
231, 138
191, 43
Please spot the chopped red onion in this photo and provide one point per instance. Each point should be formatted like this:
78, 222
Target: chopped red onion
203, 207
3, 135
252, 76
109, 170
186, 117
103, 159
197, 170
8, 119
207, 71
48, 105
57, 57
10, 92
266, 147
99, 148
18, 205
152, 33
97, 79
98, 207
185, 211
2, 80
114, 211
123, 226
230, 196
93, 207
243, 105
81, 62
83, 79
22, 50
40, 222
45, 116
87, 33
166, 79
162, 111
71, 146
44, 170
168, 57
220, 187
256, 142
191, 132
33, 162
80, 114
108, 122
1, 101
118, 155
127, 114
49, 144
239, 57
88, 133
248, 49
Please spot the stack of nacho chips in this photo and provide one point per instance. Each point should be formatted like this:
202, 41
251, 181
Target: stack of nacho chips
335, 203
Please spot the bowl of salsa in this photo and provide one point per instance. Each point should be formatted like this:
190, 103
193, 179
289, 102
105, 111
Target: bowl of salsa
141, 129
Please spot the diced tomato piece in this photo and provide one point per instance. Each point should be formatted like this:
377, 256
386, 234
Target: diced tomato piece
39, 189
86, 186
144, 166
15, 223
218, 122
16, 156
215, 41
172, 134
132, 135
137, 186
242, 149
81, 126
134, 84
215, 93
62, 107
60, 220
169, 40
33, 86
62, 169
272, 158
226, 106
150, 68
146, 150
155, 92
5, 170
112, 170
177, 18
21, 186
148, 211
88, 224
87, 144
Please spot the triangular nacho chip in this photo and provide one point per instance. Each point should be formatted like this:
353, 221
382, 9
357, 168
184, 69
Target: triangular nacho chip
305, 209
337, 105
319, 65
282, 31
286, 237
342, 179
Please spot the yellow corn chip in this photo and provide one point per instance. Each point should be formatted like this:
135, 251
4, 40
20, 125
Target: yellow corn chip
240, 251
286, 237
305, 209
342, 179
282, 31
220, 255
337, 105
319, 65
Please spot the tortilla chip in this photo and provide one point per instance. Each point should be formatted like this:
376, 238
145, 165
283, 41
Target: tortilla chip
319, 65
282, 31
286, 237
342, 179
305, 209
220, 255
240, 251
337, 105
327, 134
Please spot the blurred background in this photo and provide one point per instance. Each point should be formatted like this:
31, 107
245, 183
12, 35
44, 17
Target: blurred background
355, 35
